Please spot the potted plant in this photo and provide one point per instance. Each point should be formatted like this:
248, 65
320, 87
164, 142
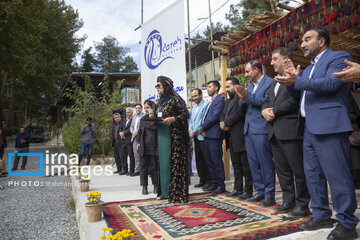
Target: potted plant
125, 234
94, 206
84, 183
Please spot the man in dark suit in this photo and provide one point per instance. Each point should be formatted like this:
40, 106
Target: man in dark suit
280, 109
232, 122
116, 141
256, 139
213, 135
126, 145
323, 107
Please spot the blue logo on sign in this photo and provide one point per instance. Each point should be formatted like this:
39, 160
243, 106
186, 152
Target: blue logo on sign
156, 51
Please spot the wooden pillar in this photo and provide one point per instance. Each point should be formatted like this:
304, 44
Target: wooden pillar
223, 70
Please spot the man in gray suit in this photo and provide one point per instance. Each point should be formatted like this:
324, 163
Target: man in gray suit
280, 109
135, 123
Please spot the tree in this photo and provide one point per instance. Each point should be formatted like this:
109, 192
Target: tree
89, 61
218, 27
195, 39
112, 57
249, 8
37, 45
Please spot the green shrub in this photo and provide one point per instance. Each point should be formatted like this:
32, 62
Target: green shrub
87, 104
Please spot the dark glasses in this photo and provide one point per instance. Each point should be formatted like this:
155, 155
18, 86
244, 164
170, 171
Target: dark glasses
157, 85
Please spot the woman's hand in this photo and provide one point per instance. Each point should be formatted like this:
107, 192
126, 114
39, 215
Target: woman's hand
169, 120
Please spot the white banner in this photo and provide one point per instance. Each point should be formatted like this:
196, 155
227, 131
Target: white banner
163, 51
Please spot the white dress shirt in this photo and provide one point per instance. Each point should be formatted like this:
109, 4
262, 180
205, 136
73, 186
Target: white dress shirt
257, 84
302, 104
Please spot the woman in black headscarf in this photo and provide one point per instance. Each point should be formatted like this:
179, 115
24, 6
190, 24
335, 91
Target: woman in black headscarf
172, 142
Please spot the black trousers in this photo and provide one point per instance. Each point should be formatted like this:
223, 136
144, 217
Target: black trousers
241, 168
149, 165
24, 158
201, 165
117, 155
2, 149
127, 150
289, 167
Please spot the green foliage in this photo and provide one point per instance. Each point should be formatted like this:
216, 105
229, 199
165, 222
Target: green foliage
71, 134
248, 8
242, 79
112, 57
37, 45
89, 104
11, 131
88, 61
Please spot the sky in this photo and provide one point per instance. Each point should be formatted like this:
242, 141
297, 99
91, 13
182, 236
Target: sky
119, 18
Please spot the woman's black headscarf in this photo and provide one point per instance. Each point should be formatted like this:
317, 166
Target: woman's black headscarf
168, 86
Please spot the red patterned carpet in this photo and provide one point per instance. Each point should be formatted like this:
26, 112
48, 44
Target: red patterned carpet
204, 217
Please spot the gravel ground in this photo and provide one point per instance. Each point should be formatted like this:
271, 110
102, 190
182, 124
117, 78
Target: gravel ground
39, 207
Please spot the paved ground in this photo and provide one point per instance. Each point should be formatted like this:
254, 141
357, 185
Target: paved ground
36, 207
42, 211
121, 188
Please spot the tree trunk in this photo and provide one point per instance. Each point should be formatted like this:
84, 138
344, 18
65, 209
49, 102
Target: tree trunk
272, 6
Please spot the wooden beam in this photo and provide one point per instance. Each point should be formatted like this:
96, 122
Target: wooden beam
257, 22
235, 36
273, 15
223, 71
248, 30
218, 49
229, 40
283, 6
242, 33
225, 44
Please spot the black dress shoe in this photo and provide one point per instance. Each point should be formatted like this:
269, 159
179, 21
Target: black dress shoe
207, 185
267, 202
284, 208
316, 223
129, 173
234, 193
117, 171
22, 168
210, 189
134, 174
256, 198
123, 172
218, 190
300, 211
199, 185
341, 232
13, 169
144, 190
156, 189
245, 196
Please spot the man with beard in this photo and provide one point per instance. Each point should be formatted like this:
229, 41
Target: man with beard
280, 109
213, 135
232, 122
197, 114
323, 108
256, 139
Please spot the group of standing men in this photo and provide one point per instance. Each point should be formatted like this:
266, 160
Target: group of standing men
124, 132
297, 125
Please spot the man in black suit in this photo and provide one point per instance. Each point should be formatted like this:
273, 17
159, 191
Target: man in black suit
116, 141
126, 144
280, 109
232, 122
